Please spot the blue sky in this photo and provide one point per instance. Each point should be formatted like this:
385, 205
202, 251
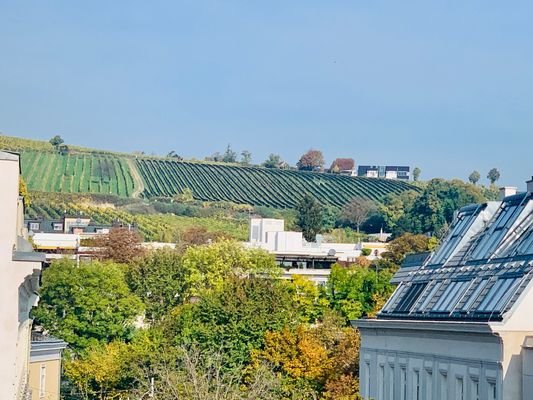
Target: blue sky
446, 86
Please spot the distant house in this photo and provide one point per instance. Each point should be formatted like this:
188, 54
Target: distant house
460, 323
384, 171
20, 270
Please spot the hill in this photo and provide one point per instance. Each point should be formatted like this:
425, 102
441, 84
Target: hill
128, 175
256, 185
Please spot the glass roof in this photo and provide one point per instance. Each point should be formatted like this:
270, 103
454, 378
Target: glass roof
474, 275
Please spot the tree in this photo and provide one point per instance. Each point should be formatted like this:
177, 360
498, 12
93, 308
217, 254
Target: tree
357, 211
408, 243
395, 206
158, 279
354, 291
88, 304
23, 191
246, 157
474, 177
229, 155
309, 218
313, 160
234, 317
56, 141
436, 205
416, 174
342, 164
216, 157
122, 245
207, 266
273, 161
173, 154
493, 176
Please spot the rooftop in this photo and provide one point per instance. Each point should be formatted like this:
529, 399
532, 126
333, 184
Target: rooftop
478, 273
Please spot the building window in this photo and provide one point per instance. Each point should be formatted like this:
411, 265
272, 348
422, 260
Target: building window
416, 385
474, 389
391, 382
42, 381
429, 385
381, 382
367, 380
403, 384
34, 226
492, 391
459, 389
58, 227
443, 387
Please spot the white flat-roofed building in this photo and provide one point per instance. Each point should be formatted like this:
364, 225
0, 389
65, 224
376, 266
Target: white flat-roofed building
460, 322
299, 257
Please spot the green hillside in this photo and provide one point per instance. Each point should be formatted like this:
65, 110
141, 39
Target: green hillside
258, 186
77, 173
102, 172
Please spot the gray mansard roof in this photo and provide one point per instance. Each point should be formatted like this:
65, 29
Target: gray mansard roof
480, 270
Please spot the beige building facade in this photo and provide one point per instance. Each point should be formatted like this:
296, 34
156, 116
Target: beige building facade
45, 367
19, 281
459, 325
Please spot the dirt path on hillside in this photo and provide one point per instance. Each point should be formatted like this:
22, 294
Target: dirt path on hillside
138, 185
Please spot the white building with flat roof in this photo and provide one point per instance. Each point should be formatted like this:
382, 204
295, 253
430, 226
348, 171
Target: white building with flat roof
460, 322
299, 257
19, 280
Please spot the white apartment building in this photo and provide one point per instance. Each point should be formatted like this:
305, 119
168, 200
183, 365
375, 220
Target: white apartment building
460, 322
19, 280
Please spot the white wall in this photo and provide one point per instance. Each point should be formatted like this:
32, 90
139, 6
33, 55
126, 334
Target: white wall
260, 226
17, 283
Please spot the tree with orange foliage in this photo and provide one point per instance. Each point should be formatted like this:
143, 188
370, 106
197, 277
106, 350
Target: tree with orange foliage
122, 245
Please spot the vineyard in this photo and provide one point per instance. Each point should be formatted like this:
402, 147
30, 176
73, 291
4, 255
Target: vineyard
153, 227
258, 186
76, 173
98, 172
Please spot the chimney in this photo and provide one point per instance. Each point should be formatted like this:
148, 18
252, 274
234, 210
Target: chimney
508, 191
530, 185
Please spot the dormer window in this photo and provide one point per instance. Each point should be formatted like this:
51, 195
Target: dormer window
34, 226
58, 227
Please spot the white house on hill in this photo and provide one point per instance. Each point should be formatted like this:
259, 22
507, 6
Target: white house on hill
460, 323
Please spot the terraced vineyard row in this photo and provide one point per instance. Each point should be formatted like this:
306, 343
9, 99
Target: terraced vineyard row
258, 186
76, 173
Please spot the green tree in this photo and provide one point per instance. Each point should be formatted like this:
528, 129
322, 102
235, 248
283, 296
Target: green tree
310, 217
246, 157
408, 243
56, 141
395, 206
229, 155
158, 279
330, 216
354, 291
312, 160
474, 177
436, 205
234, 317
273, 161
416, 174
87, 304
493, 176
207, 266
